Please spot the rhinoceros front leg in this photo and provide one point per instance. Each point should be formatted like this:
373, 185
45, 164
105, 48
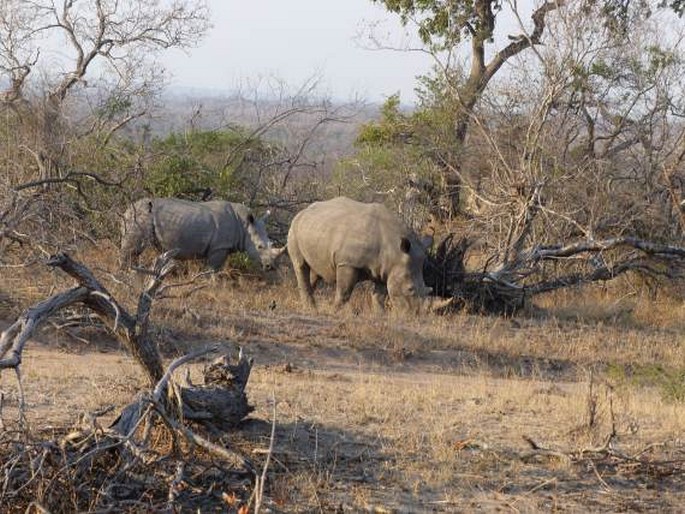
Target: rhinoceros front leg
346, 278
216, 259
137, 233
131, 248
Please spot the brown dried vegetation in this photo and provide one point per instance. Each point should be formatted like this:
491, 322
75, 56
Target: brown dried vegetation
569, 406
571, 171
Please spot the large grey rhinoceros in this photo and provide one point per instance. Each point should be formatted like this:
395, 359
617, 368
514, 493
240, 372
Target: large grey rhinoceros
343, 241
198, 230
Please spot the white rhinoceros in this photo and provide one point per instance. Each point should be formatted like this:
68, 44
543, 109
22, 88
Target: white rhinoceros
343, 241
197, 230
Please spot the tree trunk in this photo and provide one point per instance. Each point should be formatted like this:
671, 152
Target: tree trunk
470, 92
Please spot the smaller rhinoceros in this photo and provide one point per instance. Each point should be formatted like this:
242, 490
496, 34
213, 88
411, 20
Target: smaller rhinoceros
343, 241
197, 230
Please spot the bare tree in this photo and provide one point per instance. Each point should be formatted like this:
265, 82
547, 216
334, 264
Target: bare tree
583, 175
296, 122
57, 58
447, 29
83, 456
72, 75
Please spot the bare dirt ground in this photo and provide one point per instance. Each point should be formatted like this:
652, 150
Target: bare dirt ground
382, 413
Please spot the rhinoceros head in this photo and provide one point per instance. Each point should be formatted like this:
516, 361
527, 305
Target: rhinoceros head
405, 280
405, 283
257, 243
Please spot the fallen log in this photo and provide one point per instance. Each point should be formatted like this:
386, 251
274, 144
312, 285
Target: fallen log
506, 286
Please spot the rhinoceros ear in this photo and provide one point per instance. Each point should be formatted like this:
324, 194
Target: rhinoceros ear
250, 218
405, 245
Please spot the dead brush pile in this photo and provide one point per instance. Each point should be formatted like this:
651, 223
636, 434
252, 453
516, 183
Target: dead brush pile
475, 292
163, 452
73, 471
504, 285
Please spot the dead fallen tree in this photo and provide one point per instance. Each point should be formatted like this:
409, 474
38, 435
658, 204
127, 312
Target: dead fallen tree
99, 468
505, 288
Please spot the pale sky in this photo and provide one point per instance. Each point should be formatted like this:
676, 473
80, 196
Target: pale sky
295, 40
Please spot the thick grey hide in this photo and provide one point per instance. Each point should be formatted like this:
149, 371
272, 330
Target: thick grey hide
343, 241
198, 230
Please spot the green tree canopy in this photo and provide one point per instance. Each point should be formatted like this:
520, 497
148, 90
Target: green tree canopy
217, 161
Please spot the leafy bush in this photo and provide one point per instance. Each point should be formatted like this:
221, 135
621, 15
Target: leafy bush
392, 164
183, 164
670, 381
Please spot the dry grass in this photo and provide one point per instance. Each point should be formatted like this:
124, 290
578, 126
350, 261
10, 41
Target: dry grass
413, 414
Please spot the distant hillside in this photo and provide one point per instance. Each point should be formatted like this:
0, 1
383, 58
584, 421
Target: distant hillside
184, 109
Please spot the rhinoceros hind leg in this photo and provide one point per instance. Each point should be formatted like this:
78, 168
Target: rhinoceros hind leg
304, 275
346, 278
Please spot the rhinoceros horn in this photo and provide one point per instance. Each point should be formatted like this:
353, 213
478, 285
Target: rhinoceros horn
280, 251
433, 304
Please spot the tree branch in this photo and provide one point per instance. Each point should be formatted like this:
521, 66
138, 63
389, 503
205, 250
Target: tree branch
648, 247
14, 338
523, 42
123, 324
